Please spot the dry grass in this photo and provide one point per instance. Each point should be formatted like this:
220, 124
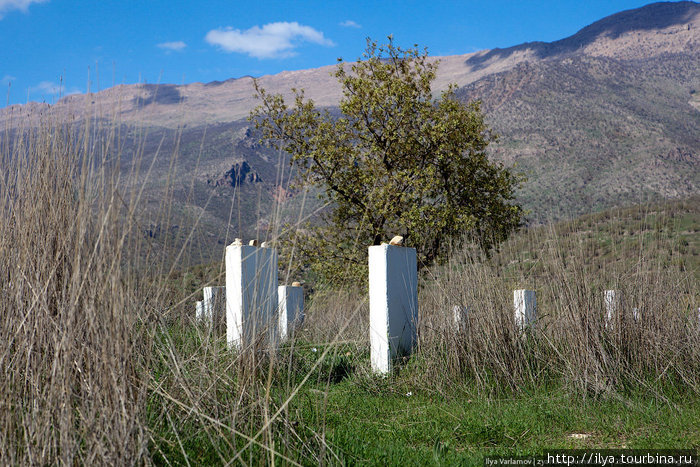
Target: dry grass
102, 362
72, 343
572, 341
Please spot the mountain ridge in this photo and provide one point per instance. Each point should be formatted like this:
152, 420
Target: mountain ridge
232, 99
607, 116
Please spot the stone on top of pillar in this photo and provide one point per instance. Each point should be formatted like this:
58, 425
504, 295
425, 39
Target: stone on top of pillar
397, 241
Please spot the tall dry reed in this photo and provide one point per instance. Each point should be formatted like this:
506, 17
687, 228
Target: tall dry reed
71, 343
572, 343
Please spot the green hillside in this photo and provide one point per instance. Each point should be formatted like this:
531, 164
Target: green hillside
635, 240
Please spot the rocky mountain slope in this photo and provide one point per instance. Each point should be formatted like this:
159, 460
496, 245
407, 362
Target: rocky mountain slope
610, 115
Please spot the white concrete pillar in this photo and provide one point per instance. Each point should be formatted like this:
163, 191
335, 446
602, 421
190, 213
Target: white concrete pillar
393, 304
251, 294
459, 316
613, 304
525, 304
291, 309
214, 305
199, 310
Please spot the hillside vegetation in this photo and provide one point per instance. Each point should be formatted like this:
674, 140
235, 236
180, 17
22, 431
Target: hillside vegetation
636, 240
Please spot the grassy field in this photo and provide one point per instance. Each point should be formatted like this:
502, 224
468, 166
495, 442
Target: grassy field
343, 415
101, 361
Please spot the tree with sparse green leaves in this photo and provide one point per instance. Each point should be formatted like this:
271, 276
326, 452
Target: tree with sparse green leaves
395, 161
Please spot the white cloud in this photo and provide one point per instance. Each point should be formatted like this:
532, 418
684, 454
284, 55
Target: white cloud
350, 24
22, 5
45, 87
177, 45
273, 40
51, 89
7, 79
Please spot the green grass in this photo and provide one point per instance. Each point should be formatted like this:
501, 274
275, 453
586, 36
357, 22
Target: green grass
394, 428
350, 417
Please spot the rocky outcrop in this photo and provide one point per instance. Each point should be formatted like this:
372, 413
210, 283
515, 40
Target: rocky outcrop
239, 174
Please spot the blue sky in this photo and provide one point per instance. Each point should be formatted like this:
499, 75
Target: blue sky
61, 46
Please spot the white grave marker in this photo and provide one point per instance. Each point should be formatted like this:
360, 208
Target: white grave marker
613, 304
291, 308
214, 305
199, 310
393, 304
251, 294
525, 304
